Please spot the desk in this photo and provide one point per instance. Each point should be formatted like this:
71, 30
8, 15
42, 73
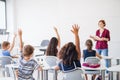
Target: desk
108, 58
15, 66
43, 49
101, 69
44, 73
6, 78
117, 63
114, 69
11, 68
117, 60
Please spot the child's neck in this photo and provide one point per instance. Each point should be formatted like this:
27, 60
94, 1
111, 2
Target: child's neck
5, 49
89, 50
27, 58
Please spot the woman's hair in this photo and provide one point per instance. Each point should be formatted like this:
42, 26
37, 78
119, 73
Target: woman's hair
68, 53
89, 44
103, 21
28, 50
5, 44
52, 47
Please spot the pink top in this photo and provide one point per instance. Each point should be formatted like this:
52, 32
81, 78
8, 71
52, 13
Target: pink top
102, 44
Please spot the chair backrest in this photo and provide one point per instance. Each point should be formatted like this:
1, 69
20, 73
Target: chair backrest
77, 74
44, 43
92, 60
4, 60
51, 60
48, 61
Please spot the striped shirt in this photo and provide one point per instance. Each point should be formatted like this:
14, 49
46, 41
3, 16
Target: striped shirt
26, 69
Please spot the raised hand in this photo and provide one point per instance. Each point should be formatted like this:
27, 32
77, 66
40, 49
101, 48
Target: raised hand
15, 34
19, 32
58, 37
55, 29
75, 29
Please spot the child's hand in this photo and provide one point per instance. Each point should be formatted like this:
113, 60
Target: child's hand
16, 73
75, 29
55, 29
15, 34
19, 32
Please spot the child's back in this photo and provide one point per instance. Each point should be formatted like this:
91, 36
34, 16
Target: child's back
26, 69
70, 54
27, 65
7, 47
88, 53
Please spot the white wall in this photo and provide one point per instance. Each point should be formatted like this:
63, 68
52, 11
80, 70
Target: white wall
37, 18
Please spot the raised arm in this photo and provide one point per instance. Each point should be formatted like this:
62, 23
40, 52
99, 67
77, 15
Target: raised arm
58, 37
20, 38
13, 42
75, 30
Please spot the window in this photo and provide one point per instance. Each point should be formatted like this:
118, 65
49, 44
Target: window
2, 15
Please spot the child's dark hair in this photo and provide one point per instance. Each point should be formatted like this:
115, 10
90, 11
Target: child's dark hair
89, 44
5, 44
68, 53
28, 50
52, 47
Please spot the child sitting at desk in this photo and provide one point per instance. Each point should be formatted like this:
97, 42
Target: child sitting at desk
27, 64
7, 48
70, 54
54, 45
89, 52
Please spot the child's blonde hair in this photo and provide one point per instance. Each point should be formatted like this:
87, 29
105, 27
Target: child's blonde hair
5, 44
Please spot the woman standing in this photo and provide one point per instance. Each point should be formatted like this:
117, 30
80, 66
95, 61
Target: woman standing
102, 37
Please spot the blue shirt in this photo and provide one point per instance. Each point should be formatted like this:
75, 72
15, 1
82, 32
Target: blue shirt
73, 66
87, 53
6, 53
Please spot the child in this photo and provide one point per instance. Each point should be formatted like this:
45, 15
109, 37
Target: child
90, 53
54, 45
7, 48
27, 65
70, 54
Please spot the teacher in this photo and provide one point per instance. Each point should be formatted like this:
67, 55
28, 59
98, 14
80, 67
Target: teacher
102, 37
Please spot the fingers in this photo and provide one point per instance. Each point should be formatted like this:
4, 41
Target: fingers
20, 31
55, 29
75, 28
72, 31
15, 34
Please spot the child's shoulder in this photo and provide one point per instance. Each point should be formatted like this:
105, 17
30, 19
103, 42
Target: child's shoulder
5, 51
33, 61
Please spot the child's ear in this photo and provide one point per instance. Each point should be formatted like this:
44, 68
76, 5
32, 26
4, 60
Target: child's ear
31, 55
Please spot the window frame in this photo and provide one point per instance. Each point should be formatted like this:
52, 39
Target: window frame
5, 16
